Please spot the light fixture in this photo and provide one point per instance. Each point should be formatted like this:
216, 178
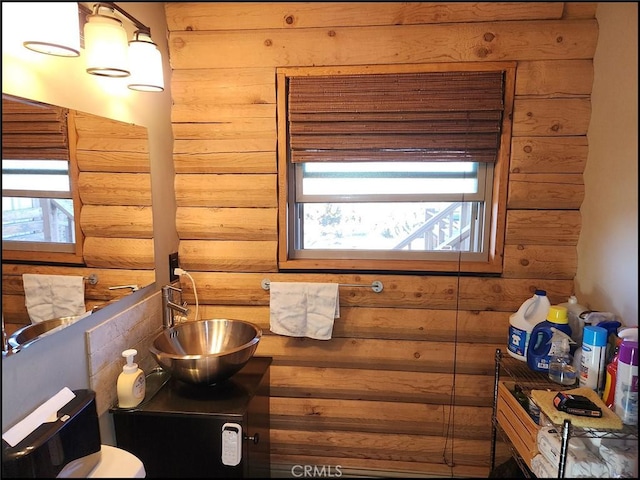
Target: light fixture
108, 53
53, 28
145, 61
105, 41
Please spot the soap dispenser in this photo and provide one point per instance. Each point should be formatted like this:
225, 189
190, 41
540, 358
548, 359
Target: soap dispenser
131, 383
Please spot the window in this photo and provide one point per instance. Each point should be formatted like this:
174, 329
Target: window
38, 207
393, 169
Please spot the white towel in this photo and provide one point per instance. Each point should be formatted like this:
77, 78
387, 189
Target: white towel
581, 462
53, 296
542, 468
621, 456
303, 309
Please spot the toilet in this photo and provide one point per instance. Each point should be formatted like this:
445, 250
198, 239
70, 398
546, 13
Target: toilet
67, 446
117, 463
109, 462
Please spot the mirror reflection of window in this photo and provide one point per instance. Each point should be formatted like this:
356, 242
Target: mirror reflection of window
38, 209
76, 202
42, 208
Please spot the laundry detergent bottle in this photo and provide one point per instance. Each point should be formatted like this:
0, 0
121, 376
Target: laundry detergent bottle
540, 349
533, 311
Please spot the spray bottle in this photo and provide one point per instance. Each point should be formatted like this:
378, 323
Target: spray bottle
561, 369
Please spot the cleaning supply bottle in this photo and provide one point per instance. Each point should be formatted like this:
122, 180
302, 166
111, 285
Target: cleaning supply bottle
626, 396
561, 369
609, 322
608, 395
592, 363
131, 383
611, 326
576, 314
532, 311
538, 353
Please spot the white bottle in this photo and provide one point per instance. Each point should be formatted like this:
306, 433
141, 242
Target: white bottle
131, 383
533, 311
592, 362
576, 314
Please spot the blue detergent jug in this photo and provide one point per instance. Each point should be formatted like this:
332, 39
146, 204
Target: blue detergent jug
540, 348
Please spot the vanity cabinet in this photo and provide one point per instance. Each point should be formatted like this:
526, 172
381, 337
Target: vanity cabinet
178, 433
515, 424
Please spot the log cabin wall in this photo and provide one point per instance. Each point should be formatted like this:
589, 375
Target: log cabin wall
406, 382
114, 188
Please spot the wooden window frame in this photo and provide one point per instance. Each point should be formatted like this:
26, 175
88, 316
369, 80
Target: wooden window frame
497, 209
43, 252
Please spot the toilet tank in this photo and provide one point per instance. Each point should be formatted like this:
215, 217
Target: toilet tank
69, 446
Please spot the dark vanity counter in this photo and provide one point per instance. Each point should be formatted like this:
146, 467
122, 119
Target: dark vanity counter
177, 432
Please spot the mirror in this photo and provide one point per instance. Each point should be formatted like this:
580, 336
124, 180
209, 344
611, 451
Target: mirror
103, 227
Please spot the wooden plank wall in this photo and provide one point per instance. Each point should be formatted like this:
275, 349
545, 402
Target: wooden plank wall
406, 382
114, 184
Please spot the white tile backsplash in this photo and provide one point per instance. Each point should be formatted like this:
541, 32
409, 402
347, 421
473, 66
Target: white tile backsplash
136, 328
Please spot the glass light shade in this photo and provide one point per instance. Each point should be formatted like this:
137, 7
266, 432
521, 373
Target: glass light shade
145, 62
106, 46
53, 28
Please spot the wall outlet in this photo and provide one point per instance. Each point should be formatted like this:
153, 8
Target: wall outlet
173, 264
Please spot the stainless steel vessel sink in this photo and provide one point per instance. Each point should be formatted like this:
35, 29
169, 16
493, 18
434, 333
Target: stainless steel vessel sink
207, 351
25, 336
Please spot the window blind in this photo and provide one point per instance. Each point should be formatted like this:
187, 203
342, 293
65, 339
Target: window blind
32, 131
430, 116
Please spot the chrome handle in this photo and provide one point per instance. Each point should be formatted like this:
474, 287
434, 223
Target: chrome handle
255, 438
134, 288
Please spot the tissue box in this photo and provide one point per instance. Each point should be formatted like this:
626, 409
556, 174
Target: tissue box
72, 440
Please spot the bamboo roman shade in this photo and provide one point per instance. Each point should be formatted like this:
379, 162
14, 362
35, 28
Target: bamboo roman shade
32, 131
431, 116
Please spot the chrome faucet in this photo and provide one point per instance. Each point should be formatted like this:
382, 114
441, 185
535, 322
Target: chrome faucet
169, 307
5, 341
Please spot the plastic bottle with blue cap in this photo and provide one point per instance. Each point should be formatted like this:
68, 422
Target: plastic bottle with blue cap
532, 311
592, 372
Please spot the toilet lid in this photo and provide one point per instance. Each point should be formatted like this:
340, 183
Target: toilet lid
117, 463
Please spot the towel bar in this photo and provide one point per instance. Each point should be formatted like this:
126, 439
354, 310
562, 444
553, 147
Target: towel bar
376, 286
